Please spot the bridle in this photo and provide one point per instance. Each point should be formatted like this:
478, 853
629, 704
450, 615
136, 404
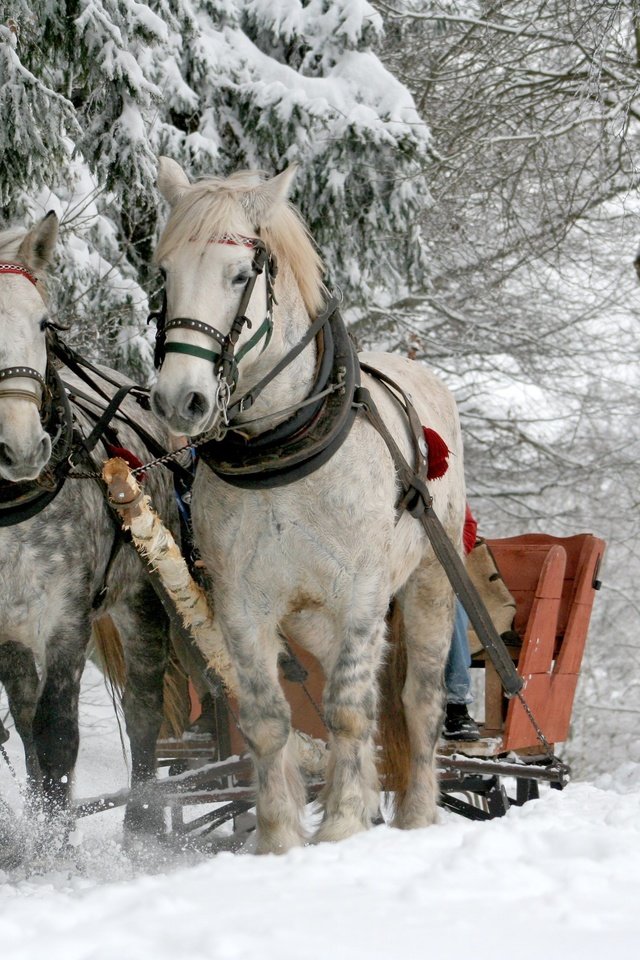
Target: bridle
225, 359
20, 372
22, 500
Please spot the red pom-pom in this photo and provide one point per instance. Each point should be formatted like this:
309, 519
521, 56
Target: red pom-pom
437, 454
128, 457
469, 531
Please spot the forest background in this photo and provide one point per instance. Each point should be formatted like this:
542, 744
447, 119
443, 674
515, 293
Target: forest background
469, 170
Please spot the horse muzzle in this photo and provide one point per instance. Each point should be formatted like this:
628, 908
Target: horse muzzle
23, 459
186, 411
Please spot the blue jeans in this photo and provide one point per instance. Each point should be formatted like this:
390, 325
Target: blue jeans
457, 677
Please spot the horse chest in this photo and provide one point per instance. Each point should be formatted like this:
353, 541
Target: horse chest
37, 584
27, 611
266, 544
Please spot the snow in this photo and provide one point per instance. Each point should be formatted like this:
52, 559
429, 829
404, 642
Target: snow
559, 877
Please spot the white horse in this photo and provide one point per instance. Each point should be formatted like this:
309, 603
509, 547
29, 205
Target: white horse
319, 557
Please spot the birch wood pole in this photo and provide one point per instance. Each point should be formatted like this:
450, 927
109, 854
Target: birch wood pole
157, 547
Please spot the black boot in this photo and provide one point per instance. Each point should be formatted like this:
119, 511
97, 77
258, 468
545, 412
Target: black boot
458, 725
204, 727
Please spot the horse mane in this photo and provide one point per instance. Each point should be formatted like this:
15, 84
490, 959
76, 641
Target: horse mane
213, 207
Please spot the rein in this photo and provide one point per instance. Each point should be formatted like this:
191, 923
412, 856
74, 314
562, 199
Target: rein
298, 446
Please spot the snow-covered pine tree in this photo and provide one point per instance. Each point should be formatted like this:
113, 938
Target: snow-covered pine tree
35, 119
217, 84
280, 81
87, 155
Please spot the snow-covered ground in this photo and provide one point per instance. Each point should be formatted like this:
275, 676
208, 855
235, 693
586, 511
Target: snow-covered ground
559, 877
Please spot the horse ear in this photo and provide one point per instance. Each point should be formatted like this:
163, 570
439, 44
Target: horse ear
36, 249
172, 180
261, 200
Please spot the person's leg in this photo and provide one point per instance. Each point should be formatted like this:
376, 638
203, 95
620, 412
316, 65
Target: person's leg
457, 678
458, 725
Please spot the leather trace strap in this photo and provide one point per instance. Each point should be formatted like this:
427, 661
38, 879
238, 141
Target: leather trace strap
316, 428
419, 502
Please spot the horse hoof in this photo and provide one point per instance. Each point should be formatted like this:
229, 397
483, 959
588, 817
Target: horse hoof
278, 841
337, 828
415, 820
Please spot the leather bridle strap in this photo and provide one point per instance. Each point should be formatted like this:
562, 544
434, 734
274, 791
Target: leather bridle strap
19, 371
20, 270
187, 323
14, 373
226, 357
246, 402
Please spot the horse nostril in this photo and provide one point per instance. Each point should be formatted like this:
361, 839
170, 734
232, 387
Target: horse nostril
157, 405
195, 404
45, 448
6, 455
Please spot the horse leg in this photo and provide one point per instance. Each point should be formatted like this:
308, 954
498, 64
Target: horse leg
351, 795
55, 725
144, 629
265, 720
19, 677
427, 606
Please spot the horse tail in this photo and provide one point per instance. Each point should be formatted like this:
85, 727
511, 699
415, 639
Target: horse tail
110, 654
107, 644
176, 700
395, 767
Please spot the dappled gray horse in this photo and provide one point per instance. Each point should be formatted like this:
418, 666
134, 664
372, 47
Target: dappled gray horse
65, 564
319, 547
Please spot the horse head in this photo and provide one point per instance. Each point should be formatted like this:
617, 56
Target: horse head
216, 254
25, 446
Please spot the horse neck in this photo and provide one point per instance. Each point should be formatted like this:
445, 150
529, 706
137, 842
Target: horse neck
293, 384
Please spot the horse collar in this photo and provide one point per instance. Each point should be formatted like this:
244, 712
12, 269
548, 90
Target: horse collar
300, 445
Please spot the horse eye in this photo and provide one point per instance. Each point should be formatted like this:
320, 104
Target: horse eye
44, 323
241, 278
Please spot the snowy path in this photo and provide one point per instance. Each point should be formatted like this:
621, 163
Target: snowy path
559, 877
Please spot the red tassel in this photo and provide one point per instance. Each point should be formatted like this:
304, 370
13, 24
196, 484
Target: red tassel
437, 454
128, 457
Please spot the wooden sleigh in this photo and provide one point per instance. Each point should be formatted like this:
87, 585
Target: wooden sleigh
553, 581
